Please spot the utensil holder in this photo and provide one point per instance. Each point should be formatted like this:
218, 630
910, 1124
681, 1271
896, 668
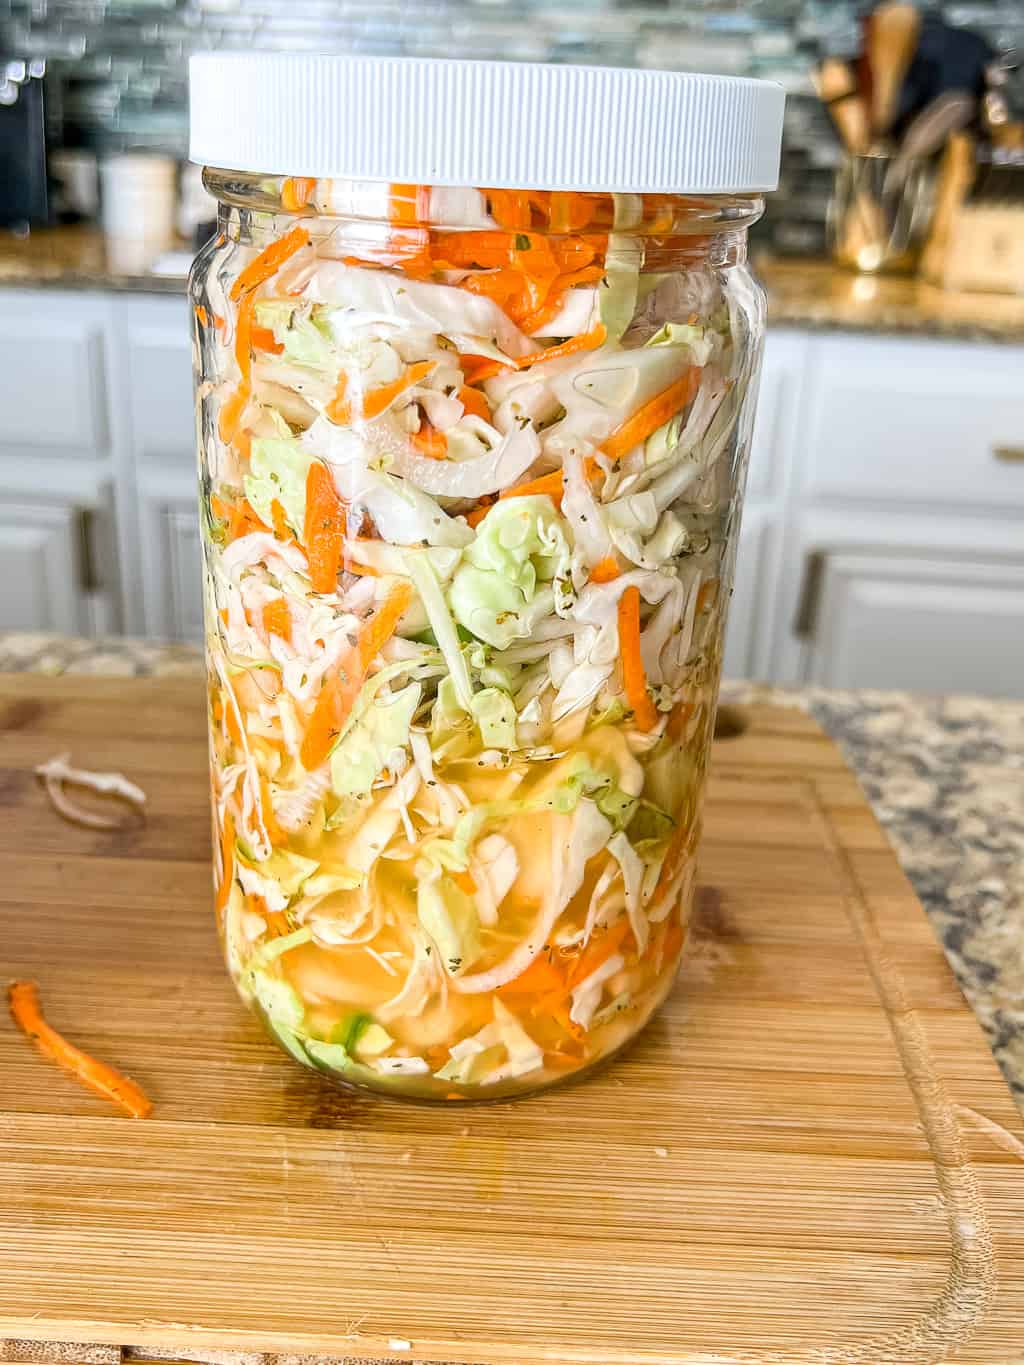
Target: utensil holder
880, 212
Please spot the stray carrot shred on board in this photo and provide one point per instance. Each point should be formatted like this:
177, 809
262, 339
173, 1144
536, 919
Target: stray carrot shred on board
96, 1075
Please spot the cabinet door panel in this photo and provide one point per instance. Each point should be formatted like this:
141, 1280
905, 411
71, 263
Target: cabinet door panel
172, 576
39, 568
51, 384
920, 624
160, 395
918, 421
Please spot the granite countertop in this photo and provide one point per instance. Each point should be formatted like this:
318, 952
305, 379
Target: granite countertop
944, 776
801, 293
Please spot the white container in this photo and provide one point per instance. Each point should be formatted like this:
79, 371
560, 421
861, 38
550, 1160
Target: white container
138, 202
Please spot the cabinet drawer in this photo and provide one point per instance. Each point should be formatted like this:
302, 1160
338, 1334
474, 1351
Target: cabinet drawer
920, 622
51, 380
160, 404
923, 421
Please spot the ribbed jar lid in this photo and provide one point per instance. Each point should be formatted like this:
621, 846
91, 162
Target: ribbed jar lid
501, 125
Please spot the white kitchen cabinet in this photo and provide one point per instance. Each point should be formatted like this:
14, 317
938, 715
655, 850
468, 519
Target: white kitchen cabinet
41, 584
924, 623
170, 559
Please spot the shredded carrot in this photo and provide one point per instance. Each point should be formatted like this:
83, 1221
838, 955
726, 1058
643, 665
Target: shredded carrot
361, 570
465, 882
324, 531
552, 484
279, 521
477, 368
380, 628
98, 1076
330, 712
202, 315
541, 977
241, 518
475, 402
341, 687
661, 408
672, 861
227, 854
605, 570
263, 339
633, 677
598, 951
586, 341
431, 442
478, 513
377, 401
277, 619
220, 323
275, 833
231, 412
268, 262
296, 192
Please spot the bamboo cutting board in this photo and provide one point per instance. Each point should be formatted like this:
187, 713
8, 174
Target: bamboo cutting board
809, 1157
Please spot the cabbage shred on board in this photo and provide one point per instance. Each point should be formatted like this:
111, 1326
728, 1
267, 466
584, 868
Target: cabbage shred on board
471, 468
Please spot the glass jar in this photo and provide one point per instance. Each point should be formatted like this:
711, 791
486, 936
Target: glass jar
471, 466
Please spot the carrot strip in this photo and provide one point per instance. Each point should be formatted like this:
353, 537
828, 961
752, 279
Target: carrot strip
296, 193
275, 833
380, 628
268, 262
361, 570
598, 951
478, 513
633, 677
477, 368
475, 402
652, 415
465, 882
341, 687
263, 339
277, 619
202, 316
605, 570
431, 442
227, 855
324, 531
541, 977
330, 712
98, 1076
377, 401
586, 341
231, 412
552, 484
279, 521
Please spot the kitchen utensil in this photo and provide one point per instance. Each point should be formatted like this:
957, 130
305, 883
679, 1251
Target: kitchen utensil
928, 132
872, 227
947, 58
836, 85
956, 173
891, 40
819, 1158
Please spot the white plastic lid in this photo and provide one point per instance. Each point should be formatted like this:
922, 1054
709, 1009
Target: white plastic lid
504, 125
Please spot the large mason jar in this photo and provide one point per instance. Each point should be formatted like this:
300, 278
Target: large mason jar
477, 351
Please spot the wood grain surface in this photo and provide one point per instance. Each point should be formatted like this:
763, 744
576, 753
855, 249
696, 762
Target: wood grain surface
810, 1155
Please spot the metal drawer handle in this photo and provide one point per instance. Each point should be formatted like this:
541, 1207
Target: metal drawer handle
1009, 454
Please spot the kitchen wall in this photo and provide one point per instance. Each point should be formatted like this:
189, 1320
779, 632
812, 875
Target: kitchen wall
120, 64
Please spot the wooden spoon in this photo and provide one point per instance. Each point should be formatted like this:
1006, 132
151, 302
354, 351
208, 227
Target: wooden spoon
836, 85
891, 42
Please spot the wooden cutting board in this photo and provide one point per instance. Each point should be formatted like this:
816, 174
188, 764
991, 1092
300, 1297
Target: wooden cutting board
809, 1157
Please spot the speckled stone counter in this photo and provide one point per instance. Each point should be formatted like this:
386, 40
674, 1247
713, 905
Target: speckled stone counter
944, 776
801, 293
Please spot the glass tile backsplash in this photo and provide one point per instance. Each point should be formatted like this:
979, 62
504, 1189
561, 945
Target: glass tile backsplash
119, 65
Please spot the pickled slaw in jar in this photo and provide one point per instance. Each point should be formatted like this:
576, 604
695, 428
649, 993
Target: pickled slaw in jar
472, 461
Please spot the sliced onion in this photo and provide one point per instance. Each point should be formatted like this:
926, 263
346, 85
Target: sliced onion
58, 771
490, 473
